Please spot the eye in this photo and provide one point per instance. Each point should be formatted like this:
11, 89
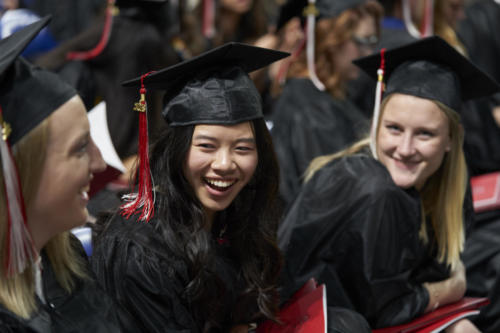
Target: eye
244, 148
82, 147
205, 145
393, 128
426, 133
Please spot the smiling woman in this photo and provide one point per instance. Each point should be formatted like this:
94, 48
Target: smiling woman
48, 159
207, 261
383, 220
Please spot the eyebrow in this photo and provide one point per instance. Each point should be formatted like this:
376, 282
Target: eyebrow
206, 137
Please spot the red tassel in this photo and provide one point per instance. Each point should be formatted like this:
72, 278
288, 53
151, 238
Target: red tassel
143, 200
208, 29
20, 248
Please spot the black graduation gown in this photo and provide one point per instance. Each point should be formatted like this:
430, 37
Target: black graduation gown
356, 231
87, 309
308, 123
135, 266
482, 134
482, 137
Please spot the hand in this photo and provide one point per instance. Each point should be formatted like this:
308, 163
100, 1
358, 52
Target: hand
462, 326
496, 115
239, 329
447, 291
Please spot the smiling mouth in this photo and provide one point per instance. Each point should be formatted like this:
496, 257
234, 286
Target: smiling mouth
219, 185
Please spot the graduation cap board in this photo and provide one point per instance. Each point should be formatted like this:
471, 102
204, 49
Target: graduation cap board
19, 78
212, 88
429, 68
28, 95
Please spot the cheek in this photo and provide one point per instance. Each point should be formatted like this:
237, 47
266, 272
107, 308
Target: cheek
249, 165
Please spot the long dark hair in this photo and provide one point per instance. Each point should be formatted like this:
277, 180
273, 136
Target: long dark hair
251, 227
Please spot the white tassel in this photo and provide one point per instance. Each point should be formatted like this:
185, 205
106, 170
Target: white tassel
376, 113
21, 251
412, 30
311, 13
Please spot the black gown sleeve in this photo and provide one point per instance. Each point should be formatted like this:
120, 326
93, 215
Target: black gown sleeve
145, 282
354, 230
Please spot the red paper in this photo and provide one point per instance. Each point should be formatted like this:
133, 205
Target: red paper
441, 316
486, 191
304, 313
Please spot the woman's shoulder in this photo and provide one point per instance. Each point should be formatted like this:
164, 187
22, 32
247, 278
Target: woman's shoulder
358, 178
117, 234
359, 168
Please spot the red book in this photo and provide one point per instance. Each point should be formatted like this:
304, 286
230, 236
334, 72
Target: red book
440, 318
304, 313
486, 191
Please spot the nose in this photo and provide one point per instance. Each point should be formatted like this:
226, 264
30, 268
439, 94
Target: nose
223, 162
97, 164
406, 146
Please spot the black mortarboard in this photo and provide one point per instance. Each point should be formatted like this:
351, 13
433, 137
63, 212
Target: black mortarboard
28, 94
325, 8
430, 68
214, 87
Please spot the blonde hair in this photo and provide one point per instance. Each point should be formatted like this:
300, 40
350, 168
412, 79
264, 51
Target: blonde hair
330, 34
17, 293
444, 30
442, 196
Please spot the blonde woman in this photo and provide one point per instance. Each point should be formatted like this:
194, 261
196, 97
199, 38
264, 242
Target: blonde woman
48, 159
381, 223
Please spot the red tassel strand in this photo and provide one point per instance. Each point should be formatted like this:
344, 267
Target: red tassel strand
143, 200
106, 32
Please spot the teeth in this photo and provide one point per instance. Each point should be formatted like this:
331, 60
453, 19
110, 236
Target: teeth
220, 183
85, 195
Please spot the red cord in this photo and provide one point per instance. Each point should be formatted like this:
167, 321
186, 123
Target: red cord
87, 55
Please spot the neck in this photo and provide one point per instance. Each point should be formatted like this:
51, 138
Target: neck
209, 216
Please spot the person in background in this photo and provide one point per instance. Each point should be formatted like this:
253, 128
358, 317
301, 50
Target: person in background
48, 161
382, 223
482, 129
313, 115
215, 22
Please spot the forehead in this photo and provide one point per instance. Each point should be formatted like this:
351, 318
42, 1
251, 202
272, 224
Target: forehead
69, 121
241, 130
420, 111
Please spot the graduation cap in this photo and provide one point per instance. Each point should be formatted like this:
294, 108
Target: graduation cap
212, 88
28, 95
429, 68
